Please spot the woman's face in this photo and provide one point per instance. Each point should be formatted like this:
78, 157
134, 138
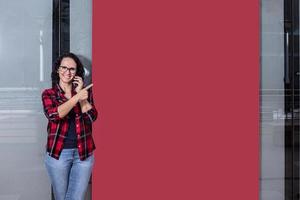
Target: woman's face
67, 70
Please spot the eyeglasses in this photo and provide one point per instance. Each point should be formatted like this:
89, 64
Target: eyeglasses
72, 70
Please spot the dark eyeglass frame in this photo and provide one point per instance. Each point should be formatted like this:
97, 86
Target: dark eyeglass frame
72, 70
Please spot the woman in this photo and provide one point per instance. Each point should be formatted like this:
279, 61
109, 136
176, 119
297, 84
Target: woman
70, 111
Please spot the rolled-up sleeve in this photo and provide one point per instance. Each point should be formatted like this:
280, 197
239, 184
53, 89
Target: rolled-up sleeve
92, 114
49, 106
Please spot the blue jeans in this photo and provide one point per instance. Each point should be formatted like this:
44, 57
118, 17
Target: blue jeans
69, 175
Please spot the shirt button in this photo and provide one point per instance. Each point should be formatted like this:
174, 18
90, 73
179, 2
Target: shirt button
77, 125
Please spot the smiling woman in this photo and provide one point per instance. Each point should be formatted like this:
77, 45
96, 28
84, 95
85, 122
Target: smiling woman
70, 111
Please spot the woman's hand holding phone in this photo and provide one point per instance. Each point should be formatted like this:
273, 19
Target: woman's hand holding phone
77, 80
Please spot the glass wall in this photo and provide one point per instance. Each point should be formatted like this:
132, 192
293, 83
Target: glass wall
26, 60
272, 101
81, 33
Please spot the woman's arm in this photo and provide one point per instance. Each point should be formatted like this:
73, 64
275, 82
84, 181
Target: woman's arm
88, 109
65, 108
85, 106
56, 113
50, 107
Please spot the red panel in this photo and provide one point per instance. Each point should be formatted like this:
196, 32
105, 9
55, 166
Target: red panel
176, 83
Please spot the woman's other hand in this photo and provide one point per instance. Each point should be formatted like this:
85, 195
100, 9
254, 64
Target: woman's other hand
83, 93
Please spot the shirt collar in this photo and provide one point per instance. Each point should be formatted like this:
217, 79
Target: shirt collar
59, 89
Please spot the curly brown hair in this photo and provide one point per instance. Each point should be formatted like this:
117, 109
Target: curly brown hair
79, 67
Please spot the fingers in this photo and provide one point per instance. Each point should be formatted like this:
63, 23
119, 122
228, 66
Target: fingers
78, 83
89, 86
78, 78
75, 81
84, 97
83, 94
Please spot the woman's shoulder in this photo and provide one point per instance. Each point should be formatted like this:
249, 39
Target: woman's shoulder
48, 91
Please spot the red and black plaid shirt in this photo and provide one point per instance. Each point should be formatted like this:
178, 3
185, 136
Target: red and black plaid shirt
58, 127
